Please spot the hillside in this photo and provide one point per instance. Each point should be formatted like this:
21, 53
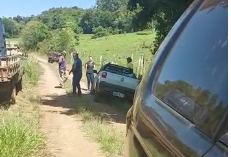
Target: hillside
122, 46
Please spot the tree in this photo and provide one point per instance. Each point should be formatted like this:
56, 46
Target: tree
65, 40
60, 40
12, 28
110, 5
161, 13
33, 33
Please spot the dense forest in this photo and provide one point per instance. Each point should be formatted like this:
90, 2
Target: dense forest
58, 28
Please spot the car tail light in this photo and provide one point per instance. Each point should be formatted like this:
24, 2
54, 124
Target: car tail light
103, 74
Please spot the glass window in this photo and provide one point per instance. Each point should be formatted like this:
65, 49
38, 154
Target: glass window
193, 79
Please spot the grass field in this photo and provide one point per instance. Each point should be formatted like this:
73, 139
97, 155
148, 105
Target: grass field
122, 45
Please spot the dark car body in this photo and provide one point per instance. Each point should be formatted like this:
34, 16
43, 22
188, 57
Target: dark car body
53, 57
180, 108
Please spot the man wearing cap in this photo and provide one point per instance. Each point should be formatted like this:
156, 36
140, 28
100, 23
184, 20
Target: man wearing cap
77, 73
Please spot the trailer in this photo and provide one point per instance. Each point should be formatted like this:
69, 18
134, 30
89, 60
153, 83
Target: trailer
11, 74
11, 70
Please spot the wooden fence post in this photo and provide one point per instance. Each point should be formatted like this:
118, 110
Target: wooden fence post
138, 69
100, 60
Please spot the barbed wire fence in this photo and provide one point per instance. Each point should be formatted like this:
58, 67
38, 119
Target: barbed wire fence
139, 62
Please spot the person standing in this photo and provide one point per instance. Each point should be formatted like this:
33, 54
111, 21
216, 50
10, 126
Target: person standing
90, 65
130, 64
62, 68
77, 73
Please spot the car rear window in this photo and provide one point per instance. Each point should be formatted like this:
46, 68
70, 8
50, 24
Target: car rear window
119, 70
193, 80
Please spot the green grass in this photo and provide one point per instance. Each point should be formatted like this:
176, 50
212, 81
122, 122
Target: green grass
19, 132
122, 46
32, 75
111, 139
97, 127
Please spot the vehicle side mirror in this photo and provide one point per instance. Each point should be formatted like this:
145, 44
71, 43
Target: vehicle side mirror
95, 71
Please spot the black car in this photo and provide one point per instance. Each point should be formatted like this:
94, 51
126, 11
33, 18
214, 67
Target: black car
180, 107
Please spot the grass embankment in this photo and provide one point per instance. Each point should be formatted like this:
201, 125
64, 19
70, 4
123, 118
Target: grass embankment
19, 135
110, 138
122, 45
97, 126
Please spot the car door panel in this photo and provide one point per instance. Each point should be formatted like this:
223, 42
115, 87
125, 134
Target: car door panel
166, 133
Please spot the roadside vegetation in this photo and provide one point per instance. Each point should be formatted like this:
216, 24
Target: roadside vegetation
110, 138
99, 126
19, 132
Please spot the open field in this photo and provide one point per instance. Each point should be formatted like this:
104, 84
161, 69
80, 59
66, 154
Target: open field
123, 45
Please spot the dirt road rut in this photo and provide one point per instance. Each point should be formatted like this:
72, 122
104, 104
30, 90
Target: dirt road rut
63, 133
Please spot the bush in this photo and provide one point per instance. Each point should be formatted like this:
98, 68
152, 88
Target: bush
99, 32
60, 40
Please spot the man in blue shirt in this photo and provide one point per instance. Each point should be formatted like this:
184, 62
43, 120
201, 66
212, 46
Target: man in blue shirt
77, 73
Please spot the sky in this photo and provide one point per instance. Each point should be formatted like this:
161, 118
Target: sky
12, 8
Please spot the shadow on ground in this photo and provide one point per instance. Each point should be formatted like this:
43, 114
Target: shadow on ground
110, 108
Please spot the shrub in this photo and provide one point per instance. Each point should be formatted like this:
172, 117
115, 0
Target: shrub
99, 32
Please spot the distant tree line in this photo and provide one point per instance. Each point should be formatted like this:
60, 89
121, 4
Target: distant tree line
105, 18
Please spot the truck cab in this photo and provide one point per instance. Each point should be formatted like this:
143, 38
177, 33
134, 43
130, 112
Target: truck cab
2, 39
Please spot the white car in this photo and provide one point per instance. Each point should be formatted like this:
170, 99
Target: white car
115, 80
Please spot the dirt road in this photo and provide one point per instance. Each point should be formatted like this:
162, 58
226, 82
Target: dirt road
63, 133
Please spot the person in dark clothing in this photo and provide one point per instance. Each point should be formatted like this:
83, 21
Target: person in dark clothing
90, 65
77, 73
129, 63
